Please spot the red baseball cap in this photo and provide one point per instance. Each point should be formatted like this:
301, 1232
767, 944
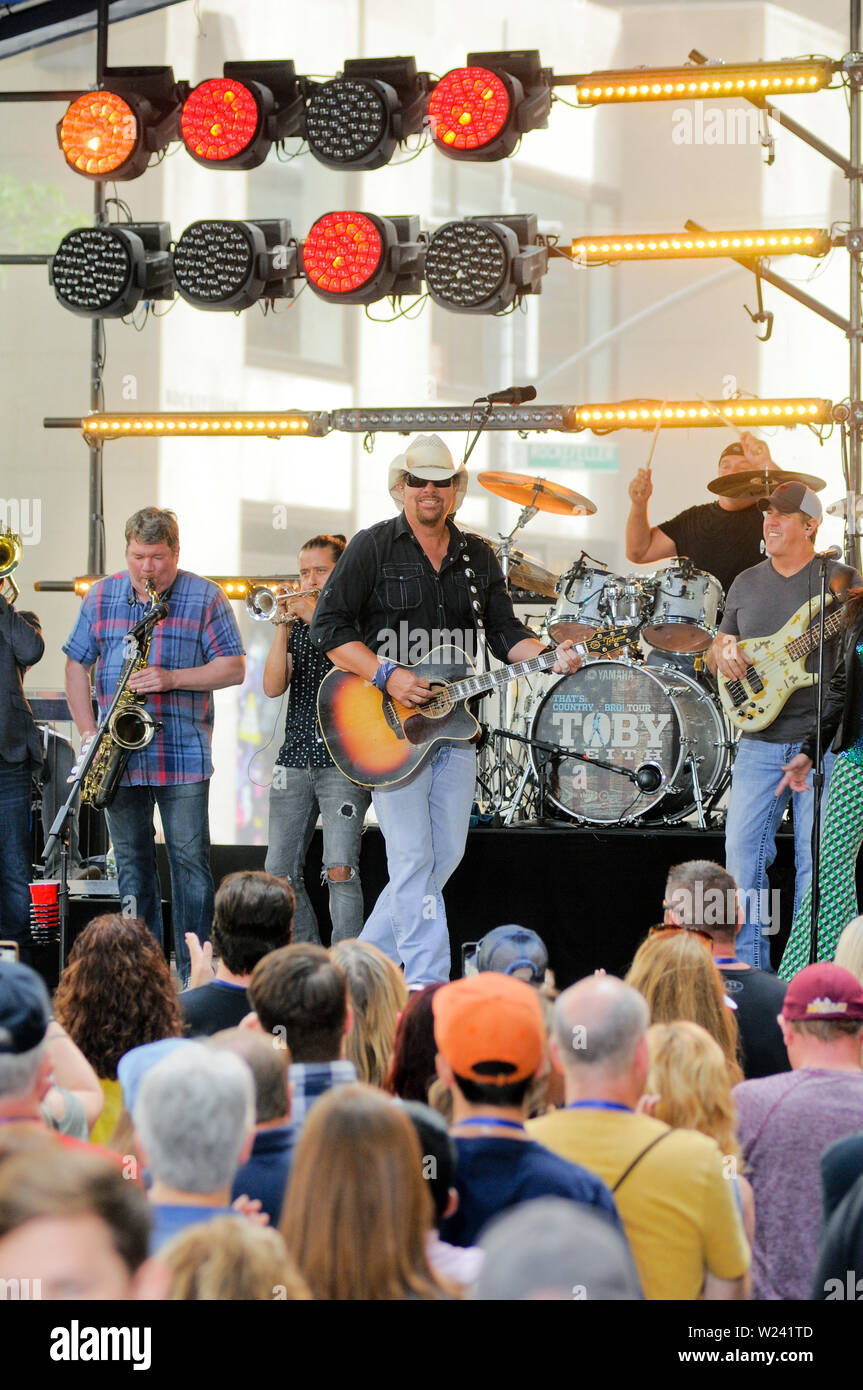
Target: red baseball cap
823, 991
490, 1028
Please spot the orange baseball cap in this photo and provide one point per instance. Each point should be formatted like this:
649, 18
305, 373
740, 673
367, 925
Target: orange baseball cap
490, 1028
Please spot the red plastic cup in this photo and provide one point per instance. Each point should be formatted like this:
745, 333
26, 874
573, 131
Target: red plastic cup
46, 892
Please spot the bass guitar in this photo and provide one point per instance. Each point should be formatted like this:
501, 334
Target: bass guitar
775, 669
378, 742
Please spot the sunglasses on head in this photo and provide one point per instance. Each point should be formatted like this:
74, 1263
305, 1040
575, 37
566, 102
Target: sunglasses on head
411, 480
668, 928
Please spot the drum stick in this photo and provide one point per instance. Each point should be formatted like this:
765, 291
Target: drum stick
720, 415
655, 438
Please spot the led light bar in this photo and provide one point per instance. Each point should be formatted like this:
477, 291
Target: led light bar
536, 418
644, 415
750, 80
234, 586
654, 246
273, 424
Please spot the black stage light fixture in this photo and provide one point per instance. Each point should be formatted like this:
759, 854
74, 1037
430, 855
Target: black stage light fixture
357, 120
230, 122
358, 257
112, 132
481, 264
104, 272
481, 111
230, 265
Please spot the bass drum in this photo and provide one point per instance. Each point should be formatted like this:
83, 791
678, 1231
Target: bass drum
629, 715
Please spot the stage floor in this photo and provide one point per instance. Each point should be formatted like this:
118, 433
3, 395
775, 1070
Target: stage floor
590, 893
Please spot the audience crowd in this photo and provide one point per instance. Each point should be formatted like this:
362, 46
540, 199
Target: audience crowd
296, 1125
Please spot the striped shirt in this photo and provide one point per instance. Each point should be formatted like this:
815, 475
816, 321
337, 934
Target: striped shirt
200, 626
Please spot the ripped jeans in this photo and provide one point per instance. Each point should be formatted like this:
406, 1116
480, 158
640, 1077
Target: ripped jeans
297, 795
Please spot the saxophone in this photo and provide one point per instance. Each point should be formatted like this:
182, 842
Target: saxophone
129, 729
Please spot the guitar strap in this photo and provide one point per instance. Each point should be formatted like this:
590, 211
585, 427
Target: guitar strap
475, 609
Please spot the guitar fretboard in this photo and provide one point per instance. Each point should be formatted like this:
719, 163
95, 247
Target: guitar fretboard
489, 680
802, 645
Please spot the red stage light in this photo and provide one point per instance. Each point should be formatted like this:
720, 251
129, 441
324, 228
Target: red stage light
342, 252
98, 133
220, 120
468, 108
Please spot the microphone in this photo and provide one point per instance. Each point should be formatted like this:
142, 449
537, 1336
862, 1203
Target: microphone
833, 552
514, 395
649, 777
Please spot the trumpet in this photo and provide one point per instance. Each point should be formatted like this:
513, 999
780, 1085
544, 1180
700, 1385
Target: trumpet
262, 602
11, 550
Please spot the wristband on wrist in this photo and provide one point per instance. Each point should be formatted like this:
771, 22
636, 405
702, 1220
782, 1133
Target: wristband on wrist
383, 673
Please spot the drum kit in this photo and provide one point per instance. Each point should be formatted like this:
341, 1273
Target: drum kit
636, 739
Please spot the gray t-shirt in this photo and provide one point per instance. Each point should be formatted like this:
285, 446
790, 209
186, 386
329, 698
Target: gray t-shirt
784, 1124
759, 603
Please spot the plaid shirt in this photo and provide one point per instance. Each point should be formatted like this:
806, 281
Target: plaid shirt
311, 1080
200, 627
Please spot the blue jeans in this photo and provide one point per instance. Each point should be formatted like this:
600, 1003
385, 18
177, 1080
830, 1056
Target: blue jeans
296, 796
754, 814
424, 823
184, 809
15, 855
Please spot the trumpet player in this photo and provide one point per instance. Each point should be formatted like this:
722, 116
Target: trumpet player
21, 646
306, 783
195, 650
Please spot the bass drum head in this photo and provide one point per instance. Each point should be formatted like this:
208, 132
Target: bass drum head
627, 715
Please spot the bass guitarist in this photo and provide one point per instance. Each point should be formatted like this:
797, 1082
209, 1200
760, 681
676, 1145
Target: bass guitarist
403, 588
761, 601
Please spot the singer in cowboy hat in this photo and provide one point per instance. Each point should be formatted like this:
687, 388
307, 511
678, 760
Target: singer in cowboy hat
400, 585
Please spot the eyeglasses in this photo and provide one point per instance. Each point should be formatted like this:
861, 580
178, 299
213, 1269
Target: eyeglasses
411, 480
666, 928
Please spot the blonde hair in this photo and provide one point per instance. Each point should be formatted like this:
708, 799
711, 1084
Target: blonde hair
688, 1072
231, 1258
378, 994
849, 951
676, 975
358, 1210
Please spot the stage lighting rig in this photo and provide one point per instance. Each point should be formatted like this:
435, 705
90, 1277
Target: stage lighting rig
357, 120
104, 272
481, 111
358, 257
482, 264
111, 133
231, 265
230, 122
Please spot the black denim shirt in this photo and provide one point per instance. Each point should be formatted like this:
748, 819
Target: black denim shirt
385, 592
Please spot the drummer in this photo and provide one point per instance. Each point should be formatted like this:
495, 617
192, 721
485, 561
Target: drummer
721, 537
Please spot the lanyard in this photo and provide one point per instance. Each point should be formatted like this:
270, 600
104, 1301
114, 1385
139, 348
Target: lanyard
598, 1105
494, 1123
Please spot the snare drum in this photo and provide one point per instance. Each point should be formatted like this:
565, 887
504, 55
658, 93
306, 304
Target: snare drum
685, 612
577, 613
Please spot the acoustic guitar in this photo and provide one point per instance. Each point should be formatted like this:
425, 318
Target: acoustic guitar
378, 742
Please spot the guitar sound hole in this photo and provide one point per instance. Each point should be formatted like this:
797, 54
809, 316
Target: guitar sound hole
440, 706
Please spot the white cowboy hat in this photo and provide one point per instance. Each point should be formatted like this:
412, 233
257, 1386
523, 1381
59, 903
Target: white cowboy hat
428, 457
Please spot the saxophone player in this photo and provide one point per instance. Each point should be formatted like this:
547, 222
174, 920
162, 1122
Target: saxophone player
195, 650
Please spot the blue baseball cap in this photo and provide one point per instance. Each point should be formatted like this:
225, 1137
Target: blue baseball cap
25, 1009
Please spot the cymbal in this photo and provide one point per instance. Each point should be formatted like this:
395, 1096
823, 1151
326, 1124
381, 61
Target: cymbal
760, 482
537, 492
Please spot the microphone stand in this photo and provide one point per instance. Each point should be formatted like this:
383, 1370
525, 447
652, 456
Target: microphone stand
60, 828
818, 775
556, 751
